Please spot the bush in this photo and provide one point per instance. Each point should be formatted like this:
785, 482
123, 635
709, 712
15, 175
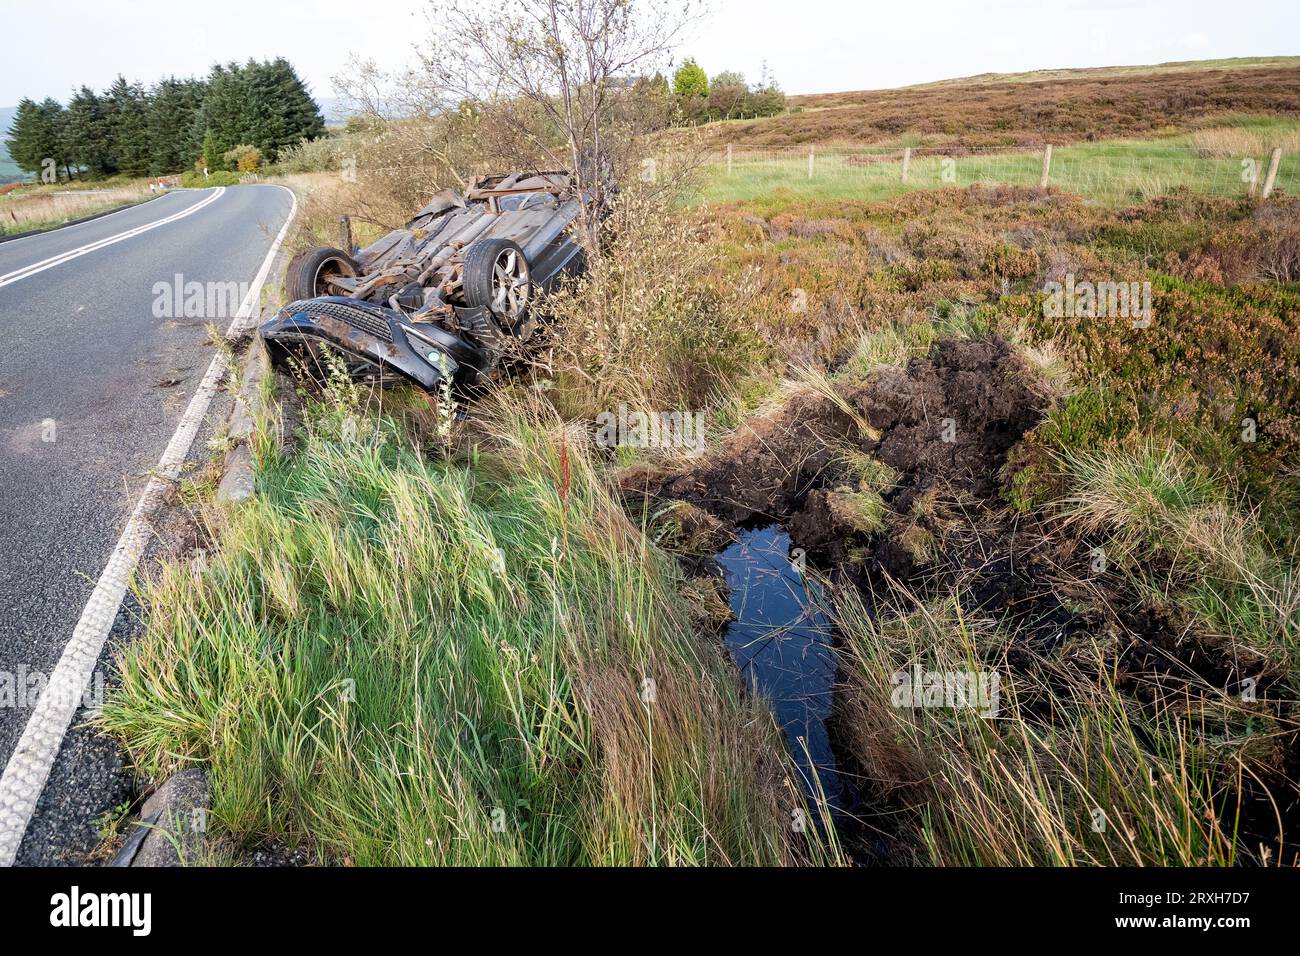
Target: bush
311, 156
220, 177
243, 158
650, 323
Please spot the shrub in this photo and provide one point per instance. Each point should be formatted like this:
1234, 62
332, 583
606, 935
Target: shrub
243, 158
220, 177
650, 323
311, 156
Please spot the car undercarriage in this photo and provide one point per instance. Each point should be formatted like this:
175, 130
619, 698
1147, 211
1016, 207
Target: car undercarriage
443, 300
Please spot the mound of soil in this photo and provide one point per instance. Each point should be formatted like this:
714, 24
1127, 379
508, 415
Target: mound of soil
951, 418
766, 467
945, 424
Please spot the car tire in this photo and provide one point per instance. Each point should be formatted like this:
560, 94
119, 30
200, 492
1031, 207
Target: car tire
497, 278
305, 278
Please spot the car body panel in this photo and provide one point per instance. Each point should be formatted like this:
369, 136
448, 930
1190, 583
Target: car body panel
406, 305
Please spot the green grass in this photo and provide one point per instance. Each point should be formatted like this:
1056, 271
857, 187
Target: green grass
1109, 172
1219, 565
398, 659
1098, 783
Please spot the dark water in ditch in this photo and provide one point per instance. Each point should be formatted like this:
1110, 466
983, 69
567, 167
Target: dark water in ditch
781, 642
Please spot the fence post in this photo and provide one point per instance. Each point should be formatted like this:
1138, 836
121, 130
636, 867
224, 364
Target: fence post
810, 162
907, 161
1273, 163
345, 234
1047, 166
728, 159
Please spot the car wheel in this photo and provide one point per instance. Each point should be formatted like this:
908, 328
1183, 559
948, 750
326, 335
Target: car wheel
496, 277
312, 271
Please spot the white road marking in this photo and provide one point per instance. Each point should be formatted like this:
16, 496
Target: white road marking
29, 767
71, 254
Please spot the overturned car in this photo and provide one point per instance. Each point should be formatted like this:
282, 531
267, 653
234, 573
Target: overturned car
446, 299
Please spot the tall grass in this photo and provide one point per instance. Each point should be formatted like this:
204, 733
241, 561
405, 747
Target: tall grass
396, 658
1067, 772
1154, 500
36, 208
1247, 138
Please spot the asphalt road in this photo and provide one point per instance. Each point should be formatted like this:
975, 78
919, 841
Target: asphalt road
93, 383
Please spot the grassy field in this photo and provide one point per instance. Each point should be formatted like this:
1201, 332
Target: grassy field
40, 206
1111, 172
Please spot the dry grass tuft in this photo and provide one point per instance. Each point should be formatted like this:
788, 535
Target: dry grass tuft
1230, 142
43, 208
1066, 772
649, 324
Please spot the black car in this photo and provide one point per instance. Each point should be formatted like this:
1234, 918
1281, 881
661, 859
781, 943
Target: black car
449, 296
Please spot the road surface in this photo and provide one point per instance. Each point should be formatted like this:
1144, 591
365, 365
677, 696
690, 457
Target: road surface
93, 384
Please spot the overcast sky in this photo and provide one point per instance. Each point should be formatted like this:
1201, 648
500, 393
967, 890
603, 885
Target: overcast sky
810, 45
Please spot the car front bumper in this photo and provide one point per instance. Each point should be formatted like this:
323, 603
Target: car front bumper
375, 336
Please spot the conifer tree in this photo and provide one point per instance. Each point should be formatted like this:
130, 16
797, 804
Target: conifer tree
129, 124
172, 105
88, 135
126, 129
36, 139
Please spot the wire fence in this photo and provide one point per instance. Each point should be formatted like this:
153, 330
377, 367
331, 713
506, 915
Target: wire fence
1109, 173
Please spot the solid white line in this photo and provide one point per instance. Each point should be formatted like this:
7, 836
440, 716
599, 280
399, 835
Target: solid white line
29, 766
71, 254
